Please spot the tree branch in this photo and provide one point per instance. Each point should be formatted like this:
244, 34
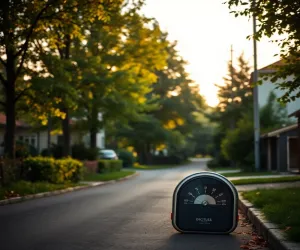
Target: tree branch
21, 94
24, 48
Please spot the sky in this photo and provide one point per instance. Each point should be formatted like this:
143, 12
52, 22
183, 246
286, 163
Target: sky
205, 31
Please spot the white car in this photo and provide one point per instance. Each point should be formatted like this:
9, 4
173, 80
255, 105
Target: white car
108, 154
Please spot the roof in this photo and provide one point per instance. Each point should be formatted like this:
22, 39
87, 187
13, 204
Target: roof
18, 123
272, 66
295, 114
277, 132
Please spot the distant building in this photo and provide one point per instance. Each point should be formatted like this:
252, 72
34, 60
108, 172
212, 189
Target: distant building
39, 138
268, 86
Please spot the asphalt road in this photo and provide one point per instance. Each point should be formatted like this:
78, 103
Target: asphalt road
134, 214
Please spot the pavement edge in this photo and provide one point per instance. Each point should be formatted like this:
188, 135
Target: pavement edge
62, 191
270, 231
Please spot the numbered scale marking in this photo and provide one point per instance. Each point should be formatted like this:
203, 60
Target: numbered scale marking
208, 196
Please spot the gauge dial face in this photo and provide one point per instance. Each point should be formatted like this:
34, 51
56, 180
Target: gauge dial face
206, 195
205, 204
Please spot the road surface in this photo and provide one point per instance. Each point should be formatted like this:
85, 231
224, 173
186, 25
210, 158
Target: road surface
134, 214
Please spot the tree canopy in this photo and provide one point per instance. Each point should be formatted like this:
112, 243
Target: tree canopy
277, 18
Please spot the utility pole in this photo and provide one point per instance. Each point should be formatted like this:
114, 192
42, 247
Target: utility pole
232, 122
231, 87
255, 101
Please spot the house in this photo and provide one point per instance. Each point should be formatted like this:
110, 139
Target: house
39, 138
279, 148
267, 86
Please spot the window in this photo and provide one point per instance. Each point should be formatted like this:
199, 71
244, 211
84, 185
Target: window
31, 140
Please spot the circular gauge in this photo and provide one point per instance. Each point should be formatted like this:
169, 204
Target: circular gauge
205, 202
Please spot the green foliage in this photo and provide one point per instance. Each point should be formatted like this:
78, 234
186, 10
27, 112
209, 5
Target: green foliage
238, 144
126, 157
278, 17
81, 152
235, 100
266, 180
174, 101
235, 95
24, 150
53, 171
107, 166
55, 151
22, 188
108, 176
273, 114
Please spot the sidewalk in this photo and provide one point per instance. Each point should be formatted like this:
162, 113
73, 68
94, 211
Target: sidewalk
250, 187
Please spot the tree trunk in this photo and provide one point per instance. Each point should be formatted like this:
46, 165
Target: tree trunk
66, 134
10, 112
66, 121
93, 127
298, 141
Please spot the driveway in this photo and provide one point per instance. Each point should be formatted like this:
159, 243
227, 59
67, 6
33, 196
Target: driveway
134, 214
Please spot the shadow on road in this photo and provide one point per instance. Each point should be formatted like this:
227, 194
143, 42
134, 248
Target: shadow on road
196, 241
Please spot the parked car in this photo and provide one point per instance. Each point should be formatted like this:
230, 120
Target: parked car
108, 154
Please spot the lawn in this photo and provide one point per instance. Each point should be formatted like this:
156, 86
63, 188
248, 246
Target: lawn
266, 180
151, 167
248, 174
279, 206
23, 188
220, 169
107, 176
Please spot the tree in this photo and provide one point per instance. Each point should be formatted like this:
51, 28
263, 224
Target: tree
174, 100
235, 100
118, 64
235, 95
273, 114
283, 18
20, 23
238, 144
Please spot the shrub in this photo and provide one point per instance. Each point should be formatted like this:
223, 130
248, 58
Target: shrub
127, 158
81, 152
24, 150
56, 151
107, 166
10, 171
51, 170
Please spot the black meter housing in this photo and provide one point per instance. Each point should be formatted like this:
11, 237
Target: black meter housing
205, 202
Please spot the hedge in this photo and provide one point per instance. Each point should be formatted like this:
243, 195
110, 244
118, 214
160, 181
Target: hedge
53, 171
107, 166
127, 158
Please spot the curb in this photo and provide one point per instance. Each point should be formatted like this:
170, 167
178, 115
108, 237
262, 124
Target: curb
270, 231
62, 191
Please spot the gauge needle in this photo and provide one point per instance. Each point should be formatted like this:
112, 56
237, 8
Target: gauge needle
191, 195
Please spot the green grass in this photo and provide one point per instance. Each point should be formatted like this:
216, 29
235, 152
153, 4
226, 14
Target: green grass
266, 180
151, 167
23, 188
279, 206
248, 174
107, 176
219, 169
